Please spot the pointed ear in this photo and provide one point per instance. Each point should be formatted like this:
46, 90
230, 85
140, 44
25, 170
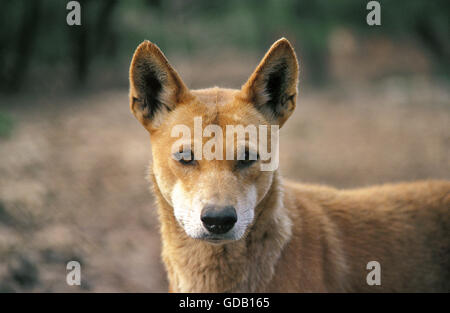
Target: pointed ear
272, 87
155, 87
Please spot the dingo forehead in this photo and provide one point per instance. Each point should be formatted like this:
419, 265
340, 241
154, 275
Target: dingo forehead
215, 96
215, 106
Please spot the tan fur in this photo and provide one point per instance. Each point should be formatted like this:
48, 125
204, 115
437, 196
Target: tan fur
303, 238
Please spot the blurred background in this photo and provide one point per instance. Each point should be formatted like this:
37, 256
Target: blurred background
373, 108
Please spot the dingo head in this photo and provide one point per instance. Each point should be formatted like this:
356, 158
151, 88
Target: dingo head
208, 144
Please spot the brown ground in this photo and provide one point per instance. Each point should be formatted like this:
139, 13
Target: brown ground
72, 183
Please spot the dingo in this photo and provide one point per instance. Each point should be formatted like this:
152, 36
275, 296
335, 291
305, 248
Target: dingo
228, 226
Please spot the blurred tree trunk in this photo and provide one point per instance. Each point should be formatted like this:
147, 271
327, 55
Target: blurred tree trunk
79, 40
430, 37
81, 56
24, 48
88, 41
106, 37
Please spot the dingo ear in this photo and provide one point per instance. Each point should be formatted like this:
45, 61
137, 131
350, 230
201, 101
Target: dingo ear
155, 87
272, 87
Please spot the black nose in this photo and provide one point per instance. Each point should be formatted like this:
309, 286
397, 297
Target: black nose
218, 219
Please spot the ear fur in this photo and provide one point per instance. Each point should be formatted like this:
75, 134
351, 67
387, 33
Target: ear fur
272, 87
155, 87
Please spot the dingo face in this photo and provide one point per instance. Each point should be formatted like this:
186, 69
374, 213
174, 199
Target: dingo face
210, 147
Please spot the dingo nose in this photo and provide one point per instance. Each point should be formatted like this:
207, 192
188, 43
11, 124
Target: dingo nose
217, 219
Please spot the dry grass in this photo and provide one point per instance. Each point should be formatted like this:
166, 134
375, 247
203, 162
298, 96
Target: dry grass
72, 183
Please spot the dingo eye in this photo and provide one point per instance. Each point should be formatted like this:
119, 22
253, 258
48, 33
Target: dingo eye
185, 157
249, 159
